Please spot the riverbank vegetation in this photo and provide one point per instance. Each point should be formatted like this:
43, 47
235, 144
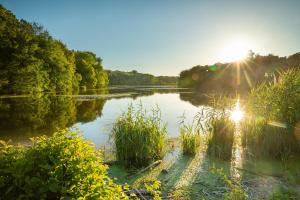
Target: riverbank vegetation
223, 77
139, 137
274, 111
31, 61
63, 166
220, 138
136, 78
190, 138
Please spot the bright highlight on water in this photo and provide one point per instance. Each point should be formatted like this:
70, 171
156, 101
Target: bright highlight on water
237, 114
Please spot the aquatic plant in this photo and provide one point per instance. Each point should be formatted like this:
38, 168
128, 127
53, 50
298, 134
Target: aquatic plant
139, 137
221, 132
236, 192
278, 101
190, 139
273, 111
282, 193
261, 138
63, 166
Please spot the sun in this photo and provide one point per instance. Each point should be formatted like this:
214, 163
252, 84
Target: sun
236, 50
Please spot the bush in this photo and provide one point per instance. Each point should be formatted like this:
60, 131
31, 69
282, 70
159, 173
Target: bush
63, 166
139, 138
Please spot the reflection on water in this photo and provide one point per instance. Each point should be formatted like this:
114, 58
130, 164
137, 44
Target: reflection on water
22, 118
93, 112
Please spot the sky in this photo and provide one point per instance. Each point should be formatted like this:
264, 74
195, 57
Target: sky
164, 37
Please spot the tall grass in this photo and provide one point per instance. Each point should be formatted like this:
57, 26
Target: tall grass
190, 138
274, 110
139, 137
263, 139
221, 134
278, 101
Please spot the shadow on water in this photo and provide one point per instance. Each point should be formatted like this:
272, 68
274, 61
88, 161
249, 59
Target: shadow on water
172, 176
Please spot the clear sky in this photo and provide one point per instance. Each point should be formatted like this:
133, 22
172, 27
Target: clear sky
166, 37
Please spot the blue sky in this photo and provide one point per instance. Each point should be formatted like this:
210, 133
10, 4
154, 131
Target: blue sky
166, 37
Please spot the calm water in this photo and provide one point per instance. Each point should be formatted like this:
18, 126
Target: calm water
93, 112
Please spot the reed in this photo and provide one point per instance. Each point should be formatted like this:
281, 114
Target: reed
220, 139
279, 100
273, 110
261, 138
190, 139
139, 137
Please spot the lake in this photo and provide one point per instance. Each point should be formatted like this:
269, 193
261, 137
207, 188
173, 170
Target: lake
94, 112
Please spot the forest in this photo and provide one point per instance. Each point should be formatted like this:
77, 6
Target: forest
238, 76
31, 60
135, 78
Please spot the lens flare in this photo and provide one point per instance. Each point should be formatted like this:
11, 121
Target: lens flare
237, 114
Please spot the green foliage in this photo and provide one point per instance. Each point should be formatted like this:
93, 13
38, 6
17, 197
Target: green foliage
91, 70
135, 78
154, 189
236, 192
274, 110
32, 61
278, 101
222, 77
60, 167
190, 138
282, 193
262, 139
220, 141
139, 137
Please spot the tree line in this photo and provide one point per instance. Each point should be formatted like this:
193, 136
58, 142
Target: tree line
136, 78
237, 76
31, 60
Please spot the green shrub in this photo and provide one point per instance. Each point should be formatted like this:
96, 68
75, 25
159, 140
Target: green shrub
220, 140
139, 138
63, 166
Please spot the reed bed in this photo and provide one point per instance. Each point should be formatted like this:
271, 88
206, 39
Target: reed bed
279, 100
220, 139
261, 138
273, 110
139, 136
190, 139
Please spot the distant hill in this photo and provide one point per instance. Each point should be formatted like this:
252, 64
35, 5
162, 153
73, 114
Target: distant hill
136, 78
237, 76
